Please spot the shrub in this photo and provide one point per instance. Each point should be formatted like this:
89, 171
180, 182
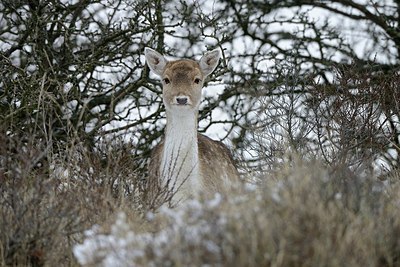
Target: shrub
304, 216
47, 199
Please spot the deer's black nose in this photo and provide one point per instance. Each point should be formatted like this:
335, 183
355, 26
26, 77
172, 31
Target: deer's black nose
182, 100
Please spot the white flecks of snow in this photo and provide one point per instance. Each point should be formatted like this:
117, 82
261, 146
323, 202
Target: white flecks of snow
189, 224
113, 249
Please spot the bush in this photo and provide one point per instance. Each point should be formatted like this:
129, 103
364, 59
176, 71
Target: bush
304, 216
47, 199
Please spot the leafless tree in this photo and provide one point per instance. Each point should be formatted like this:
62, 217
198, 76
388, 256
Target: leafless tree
73, 70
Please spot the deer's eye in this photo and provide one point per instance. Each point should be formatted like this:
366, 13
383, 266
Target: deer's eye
197, 80
166, 80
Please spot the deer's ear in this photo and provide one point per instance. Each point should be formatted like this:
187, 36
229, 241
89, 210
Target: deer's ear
155, 61
209, 61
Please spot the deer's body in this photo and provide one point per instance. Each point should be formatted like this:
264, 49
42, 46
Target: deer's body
186, 162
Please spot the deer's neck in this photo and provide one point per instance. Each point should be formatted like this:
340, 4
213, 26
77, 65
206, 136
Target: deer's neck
180, 161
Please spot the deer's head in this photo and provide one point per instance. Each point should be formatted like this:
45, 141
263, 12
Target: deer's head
182, 79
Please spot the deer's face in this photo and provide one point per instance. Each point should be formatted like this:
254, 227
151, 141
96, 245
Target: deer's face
182, 79
182, 82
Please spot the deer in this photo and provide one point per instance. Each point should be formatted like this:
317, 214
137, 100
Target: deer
187, 163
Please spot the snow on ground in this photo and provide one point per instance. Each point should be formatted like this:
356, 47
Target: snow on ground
187, 224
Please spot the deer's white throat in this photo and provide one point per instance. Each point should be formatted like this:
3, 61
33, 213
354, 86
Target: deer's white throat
180, 161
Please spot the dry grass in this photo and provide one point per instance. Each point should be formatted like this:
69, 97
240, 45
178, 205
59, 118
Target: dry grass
48, 200
304, 216
301, 214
